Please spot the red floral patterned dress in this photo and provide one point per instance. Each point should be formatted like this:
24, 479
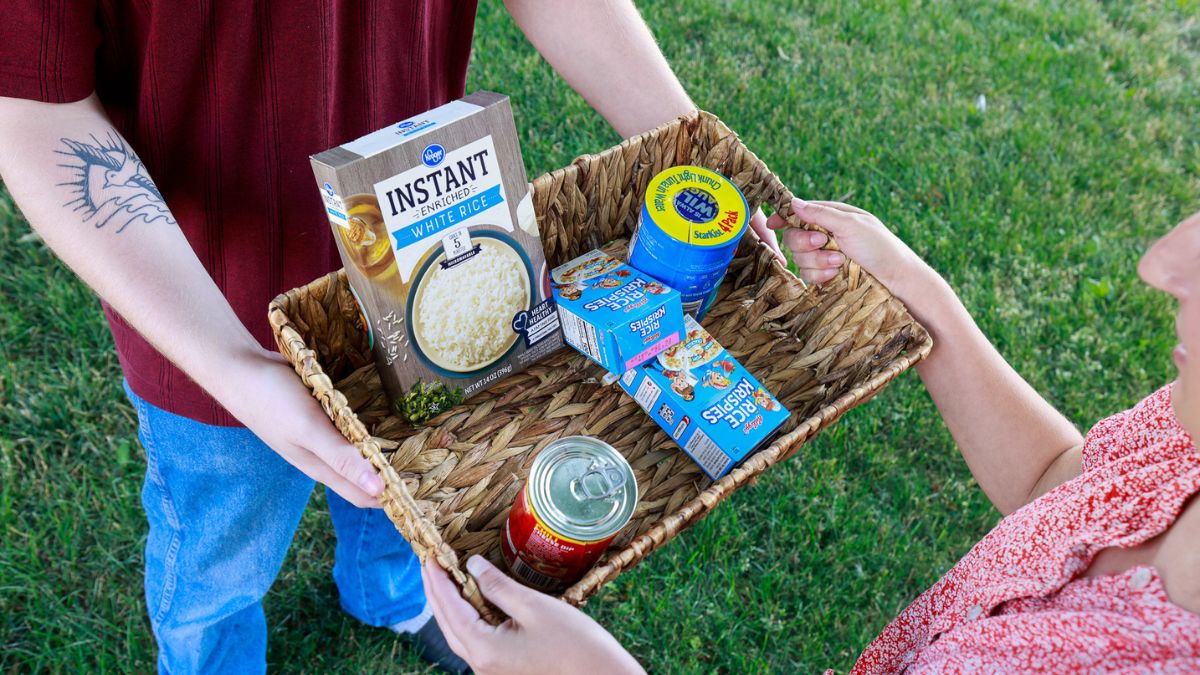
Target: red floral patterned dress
1014, 603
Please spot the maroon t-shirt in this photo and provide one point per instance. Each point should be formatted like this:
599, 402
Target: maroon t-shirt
224, 100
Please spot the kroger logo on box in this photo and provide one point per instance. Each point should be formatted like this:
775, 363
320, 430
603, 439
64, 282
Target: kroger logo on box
614, 314
705, 400
433, 154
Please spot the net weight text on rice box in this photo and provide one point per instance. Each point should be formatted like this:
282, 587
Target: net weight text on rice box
614, 314
706, 401
435, 225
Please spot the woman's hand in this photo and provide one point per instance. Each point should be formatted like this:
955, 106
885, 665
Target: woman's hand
1010, 436
759, 223
541, 635
861, 237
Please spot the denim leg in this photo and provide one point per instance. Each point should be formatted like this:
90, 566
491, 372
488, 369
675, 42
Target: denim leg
377, 574
222, 509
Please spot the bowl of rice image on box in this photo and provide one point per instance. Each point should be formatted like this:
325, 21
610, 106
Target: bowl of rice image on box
460, 316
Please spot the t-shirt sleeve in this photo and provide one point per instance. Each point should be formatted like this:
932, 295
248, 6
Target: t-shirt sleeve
48, 50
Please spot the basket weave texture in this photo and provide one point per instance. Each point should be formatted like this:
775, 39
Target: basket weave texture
449, 484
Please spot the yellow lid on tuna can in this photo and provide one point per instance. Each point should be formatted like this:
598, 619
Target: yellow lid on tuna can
696, 206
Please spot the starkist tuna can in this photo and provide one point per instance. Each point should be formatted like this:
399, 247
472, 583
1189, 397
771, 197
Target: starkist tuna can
691, 222
580, 493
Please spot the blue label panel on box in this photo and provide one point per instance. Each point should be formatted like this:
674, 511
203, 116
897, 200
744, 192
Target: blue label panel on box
706, 401
617, 316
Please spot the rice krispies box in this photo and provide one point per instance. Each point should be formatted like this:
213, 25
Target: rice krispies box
435, 225
614, 314
706, 401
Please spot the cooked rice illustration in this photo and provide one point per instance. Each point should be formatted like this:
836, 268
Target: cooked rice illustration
463, 315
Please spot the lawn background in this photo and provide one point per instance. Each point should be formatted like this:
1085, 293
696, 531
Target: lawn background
1036, 206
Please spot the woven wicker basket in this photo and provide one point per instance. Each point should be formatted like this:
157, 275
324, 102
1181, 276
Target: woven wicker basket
821, 350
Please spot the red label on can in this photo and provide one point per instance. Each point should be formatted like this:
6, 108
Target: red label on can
540, 557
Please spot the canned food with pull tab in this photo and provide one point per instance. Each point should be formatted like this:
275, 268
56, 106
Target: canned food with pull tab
579, 495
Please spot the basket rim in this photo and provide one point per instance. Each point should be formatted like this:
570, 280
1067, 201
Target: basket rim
406, 514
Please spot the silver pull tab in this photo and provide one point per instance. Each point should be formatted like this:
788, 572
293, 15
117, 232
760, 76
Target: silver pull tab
608, 481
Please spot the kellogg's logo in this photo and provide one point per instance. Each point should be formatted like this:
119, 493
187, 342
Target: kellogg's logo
433, 154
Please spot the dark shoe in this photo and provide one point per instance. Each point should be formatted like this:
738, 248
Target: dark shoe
432, 647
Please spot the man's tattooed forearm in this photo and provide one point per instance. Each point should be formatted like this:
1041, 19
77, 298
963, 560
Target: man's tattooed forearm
110, 185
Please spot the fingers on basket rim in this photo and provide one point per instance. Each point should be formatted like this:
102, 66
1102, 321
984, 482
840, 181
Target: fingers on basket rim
840, 206
801, 241
315, 467
446, 601
500, 589
776, 221
345, 459
794, 220
826, 217
818, 275
758, 225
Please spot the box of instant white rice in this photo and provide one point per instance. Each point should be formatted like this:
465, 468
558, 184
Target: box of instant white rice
435, 225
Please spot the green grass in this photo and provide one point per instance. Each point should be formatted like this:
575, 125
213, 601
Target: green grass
1035, 207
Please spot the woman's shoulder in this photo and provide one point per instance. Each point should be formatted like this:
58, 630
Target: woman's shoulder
1148, 423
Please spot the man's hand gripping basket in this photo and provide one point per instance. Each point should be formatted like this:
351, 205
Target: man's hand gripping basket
820, 350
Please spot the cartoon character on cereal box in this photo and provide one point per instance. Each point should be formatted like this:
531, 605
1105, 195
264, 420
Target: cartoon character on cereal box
718, 377
569, 291
681, 384
606, 281
655, 288
765, 400
725, 365
715, 379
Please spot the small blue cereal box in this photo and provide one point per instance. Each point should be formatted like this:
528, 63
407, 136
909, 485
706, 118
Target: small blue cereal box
614, 314
712, 406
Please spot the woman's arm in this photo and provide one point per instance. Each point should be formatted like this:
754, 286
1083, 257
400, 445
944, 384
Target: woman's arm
1016, 444
1012, 439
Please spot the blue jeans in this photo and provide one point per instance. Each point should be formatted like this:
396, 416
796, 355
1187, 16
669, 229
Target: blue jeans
223, 508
